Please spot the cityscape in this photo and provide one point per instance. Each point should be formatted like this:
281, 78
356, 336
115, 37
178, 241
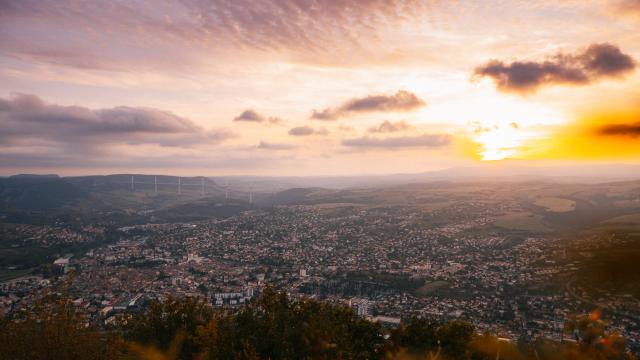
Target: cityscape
493, 254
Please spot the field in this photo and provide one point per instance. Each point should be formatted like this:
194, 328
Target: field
556, 204
521, 221
430, 287
6, 274
435, 205
624, 219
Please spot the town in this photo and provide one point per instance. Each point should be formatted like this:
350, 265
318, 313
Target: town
387, 262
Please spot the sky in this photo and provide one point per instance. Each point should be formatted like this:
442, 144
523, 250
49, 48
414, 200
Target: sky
316, 87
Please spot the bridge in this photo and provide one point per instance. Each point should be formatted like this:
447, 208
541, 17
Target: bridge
178, 184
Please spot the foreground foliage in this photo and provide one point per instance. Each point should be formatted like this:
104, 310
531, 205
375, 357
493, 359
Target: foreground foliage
276, 327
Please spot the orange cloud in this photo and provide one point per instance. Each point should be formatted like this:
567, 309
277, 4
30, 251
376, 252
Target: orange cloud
602, 135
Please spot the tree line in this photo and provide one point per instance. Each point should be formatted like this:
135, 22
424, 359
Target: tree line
274, 326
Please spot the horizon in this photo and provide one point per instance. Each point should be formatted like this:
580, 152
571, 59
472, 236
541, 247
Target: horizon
265, 184
584, 170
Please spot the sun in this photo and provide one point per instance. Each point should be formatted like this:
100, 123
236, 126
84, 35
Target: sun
498, 144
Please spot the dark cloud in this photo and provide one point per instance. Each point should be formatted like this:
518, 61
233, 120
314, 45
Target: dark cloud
427, 140
390, 127
602, 60
16, 162
596, 62
632, 130
249, 115
401, 101
306, 131
275, 146
252, 116
27, 119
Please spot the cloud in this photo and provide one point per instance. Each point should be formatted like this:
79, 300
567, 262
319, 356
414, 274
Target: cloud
427, 140
252, 116
390, 127
479, 128
630, 130
401, 101
27, 119
625, 7
306, 131
202, 163
598, 61
346, 128
249, 115
274, 146
73, 34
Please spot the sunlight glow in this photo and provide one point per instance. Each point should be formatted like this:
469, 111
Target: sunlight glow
502, 143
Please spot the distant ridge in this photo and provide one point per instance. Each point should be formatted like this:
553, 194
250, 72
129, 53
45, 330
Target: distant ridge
50, 191
510, 172
34, 176
38, 192
146, 181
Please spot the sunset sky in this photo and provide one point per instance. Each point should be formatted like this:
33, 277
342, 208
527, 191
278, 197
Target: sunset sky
316, 87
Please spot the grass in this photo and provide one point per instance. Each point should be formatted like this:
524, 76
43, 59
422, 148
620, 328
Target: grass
556, 204
522, 221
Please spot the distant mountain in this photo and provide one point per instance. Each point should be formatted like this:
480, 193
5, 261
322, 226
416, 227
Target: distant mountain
34, 176
165, 183
114, 192
203, 195
300, 196
38, 192
511, 171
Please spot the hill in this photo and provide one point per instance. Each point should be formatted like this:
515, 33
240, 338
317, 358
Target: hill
38, 192
104, 192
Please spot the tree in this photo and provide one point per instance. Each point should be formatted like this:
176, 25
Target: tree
455, 338
163, 322
419, 336
52, 329
276, 327
593, 339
